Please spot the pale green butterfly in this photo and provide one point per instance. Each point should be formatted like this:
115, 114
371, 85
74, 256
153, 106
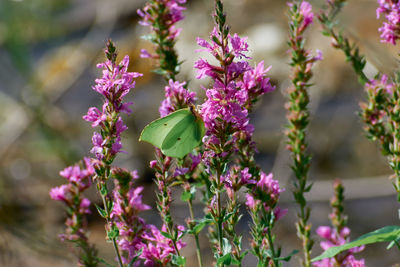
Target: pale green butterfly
176, 134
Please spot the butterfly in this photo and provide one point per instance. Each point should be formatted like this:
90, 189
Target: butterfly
176, 134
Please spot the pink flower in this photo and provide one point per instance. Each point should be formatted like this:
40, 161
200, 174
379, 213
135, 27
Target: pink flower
268, 184
60, 192
95, 116
239, 46
176, 97
84, 206
159, 248
390, 31
98, 144
306, 12
331, 239
250, 202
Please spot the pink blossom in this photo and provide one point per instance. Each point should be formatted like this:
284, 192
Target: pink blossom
98, 144
95, 116
246, 177
390, 31
331, 239
250, 202
84, 206
268, 184
116, 82
306, 12
159, 248
60, 192
176, 97
239, 45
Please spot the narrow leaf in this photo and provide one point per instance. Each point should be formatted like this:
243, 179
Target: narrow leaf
385, 234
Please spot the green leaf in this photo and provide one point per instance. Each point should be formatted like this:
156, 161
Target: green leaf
226, 260
198, 227
135, 258
104, 262
385, 234
176, 134
101, 211
167, 235
178, 260
288, 257
186, 196
113, 233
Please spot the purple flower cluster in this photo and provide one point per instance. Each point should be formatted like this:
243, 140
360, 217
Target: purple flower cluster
114, 85
265, 194
161, 16
377, 91
236, 87
332, 238
176, 97
390, 31
306, 15
79, 179
374, 86
134, 233
158, 249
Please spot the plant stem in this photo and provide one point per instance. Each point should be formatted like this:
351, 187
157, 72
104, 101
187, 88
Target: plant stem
271, 247
219, 226
114, 241
196, 236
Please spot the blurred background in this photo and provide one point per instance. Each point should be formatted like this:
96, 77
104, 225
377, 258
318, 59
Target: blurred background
48, 53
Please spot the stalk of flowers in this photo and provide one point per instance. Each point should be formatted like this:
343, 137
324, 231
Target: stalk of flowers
338, 234
327, 18
236, 86
77, 207
374, 112
390, 31
379, 112
381, 116
165, 180
138, 240
262, 202
125, 214
300, 17
170, 173
114, 85
161, 16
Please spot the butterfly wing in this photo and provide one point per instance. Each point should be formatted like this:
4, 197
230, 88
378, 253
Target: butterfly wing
156, 132
185, 136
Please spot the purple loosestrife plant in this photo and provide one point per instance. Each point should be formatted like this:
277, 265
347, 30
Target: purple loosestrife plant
300, 17
327, 18
261, 202
77, 207
380, 115
390, 31
236, 87
338, 234
380, 110
161, 16
114, 85
125, 214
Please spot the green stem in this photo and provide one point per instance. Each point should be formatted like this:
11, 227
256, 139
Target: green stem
114, 241
271, 247
219, 226
163, 208
196, 236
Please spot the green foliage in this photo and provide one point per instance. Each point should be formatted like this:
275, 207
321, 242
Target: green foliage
385, 234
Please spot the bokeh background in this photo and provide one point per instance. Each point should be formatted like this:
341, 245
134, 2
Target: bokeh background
48, 53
